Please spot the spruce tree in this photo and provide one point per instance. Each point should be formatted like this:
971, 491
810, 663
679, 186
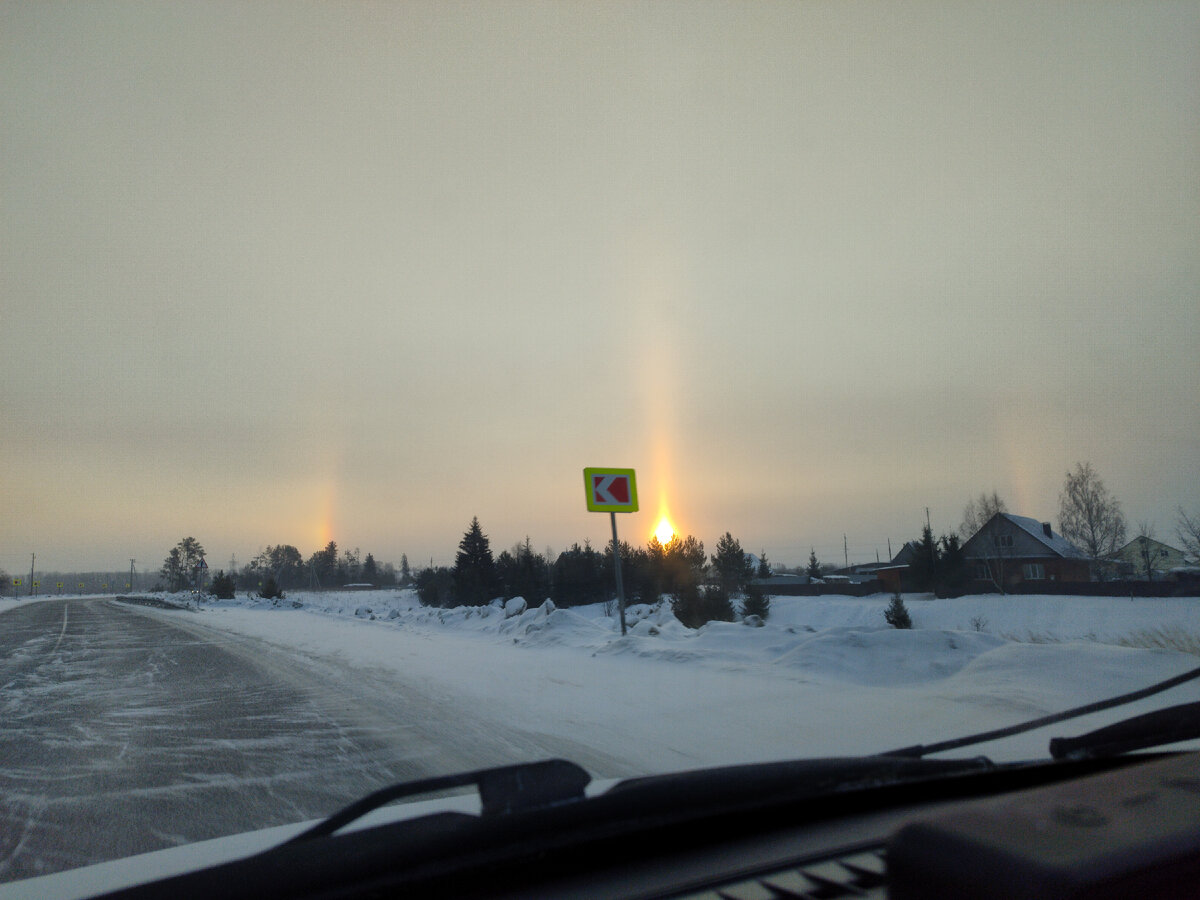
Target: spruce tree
897, 613
222, 586
475, 577
814, 566
756, 602
730, 565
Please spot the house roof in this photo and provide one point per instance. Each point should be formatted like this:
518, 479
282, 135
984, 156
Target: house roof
1056, 542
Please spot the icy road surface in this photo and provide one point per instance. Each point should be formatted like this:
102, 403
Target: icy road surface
124, 729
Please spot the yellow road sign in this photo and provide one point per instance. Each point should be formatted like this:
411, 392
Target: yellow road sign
610, 490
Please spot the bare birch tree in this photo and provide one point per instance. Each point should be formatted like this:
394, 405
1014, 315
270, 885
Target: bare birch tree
977, 512
1088, 516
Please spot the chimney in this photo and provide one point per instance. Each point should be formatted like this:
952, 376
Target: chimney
1046, 529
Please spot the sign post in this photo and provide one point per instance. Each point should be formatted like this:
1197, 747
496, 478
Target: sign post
612, 491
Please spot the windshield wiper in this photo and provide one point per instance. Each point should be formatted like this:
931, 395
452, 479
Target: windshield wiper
526, 787
505, 789
919, 750
1163, 726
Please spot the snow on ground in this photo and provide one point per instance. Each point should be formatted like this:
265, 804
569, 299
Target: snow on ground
823, 676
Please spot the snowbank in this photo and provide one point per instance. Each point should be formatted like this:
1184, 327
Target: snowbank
822, 676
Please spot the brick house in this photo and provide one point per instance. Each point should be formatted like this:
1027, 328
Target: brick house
1016, 550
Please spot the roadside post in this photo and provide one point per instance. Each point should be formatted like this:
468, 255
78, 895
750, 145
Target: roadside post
612, 491
16, 588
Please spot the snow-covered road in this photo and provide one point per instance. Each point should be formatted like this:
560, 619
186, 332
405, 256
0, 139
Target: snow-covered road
126, 729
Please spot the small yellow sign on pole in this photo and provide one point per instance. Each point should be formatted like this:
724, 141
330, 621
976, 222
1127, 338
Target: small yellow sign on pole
612, 491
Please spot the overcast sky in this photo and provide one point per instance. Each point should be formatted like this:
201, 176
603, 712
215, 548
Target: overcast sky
288, 272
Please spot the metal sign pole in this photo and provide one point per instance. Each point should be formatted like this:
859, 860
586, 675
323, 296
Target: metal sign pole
612, 491
617, 568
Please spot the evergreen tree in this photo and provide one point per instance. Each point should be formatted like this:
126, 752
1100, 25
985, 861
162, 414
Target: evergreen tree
764, 567
475, 579
897, 613
270, 589
923, 568
222, 586
950, 575
730, 565
370, 570
405, 572
756, 602
814, 566
632, 575
683, 563
435, 587
323, 564
578, 577
695, 607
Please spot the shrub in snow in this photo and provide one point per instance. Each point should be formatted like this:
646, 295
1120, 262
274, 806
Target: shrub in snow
363, 612
270, 589
694, 607
897, 613
515, 607
753, 621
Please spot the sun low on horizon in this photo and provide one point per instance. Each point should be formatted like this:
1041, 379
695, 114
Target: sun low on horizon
664, 531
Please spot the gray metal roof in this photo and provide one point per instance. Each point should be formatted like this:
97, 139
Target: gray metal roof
1056, 542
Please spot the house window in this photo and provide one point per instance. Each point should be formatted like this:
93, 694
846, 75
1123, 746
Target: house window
1034, 572
1004, 541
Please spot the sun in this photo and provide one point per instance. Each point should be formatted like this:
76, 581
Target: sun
664, 531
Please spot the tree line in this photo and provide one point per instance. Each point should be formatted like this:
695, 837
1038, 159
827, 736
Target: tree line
280, 568
702, 588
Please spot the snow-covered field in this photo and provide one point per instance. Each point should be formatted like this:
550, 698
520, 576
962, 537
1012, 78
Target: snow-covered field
824, 676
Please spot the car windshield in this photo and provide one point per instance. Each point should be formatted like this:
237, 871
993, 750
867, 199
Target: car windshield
342, 345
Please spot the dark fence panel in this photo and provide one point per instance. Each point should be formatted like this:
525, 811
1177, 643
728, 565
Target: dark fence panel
1105, 588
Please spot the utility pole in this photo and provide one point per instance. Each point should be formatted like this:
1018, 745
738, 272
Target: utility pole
131, 562
32, 557
845, 551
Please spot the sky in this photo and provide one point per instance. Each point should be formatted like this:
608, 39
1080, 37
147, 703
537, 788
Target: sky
299, 272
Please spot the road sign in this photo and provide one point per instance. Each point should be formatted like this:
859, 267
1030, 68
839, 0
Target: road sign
610, 490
